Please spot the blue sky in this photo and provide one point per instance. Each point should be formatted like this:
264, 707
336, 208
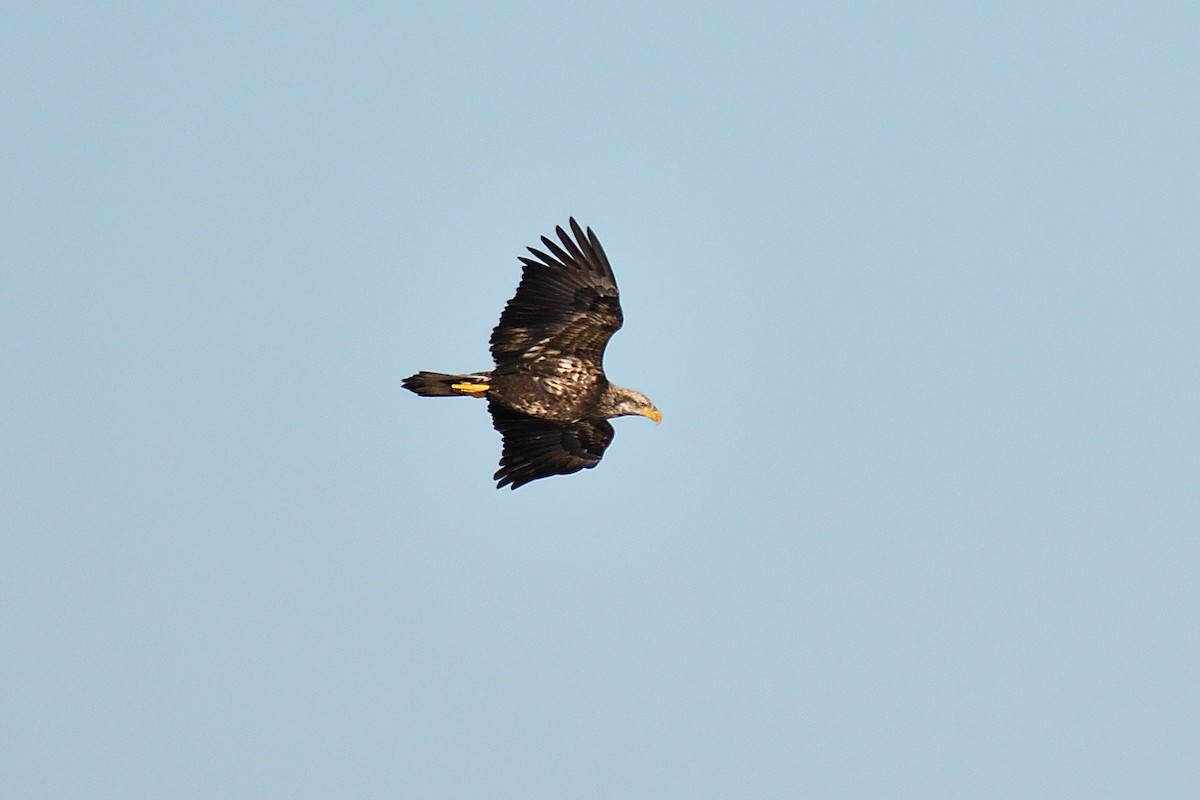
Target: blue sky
915, 287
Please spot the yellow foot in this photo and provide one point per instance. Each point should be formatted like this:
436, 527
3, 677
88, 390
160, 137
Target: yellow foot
470, 388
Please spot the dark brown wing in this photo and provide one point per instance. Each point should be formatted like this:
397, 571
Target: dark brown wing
538, 448
565, 305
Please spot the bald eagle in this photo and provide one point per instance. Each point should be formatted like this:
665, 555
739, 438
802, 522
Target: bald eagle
548, 395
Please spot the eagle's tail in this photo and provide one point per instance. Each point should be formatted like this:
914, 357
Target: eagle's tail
438, 384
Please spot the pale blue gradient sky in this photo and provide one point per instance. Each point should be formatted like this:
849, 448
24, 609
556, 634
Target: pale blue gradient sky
915, 286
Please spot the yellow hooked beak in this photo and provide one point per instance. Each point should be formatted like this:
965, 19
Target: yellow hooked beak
653, 413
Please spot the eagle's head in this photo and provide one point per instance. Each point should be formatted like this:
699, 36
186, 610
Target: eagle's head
623, 402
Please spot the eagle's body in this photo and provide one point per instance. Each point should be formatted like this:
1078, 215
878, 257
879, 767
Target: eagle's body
548, 395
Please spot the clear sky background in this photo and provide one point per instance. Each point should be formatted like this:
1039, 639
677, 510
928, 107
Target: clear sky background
915, 286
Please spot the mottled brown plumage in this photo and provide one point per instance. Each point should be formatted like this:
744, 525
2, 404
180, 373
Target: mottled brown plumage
548, 395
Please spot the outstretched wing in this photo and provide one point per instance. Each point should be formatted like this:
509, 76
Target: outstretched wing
565, 306
538, 448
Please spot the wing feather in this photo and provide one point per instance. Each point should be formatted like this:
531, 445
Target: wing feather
538, 448
567, 303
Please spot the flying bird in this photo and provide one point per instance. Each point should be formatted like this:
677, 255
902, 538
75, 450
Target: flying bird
548, 395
